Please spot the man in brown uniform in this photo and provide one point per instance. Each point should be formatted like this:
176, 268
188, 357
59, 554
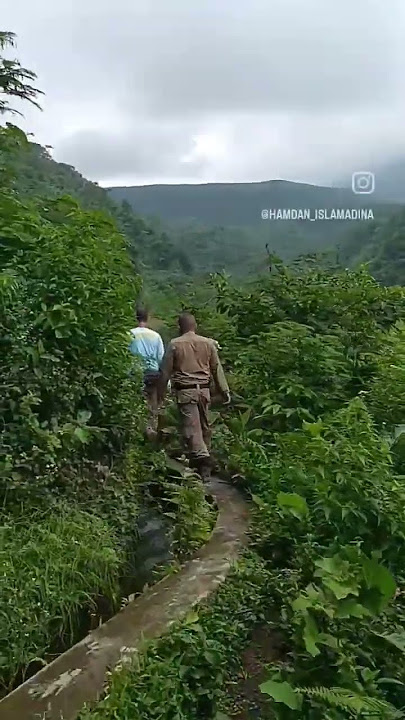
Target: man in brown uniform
191, 361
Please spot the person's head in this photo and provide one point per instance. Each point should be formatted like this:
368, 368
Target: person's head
187, 323
142, 316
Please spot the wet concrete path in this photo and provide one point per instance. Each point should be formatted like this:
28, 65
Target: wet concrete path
59, 691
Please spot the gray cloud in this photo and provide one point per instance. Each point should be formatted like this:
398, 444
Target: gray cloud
287, 89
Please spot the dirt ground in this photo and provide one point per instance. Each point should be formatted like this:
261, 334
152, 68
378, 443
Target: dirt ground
246, 702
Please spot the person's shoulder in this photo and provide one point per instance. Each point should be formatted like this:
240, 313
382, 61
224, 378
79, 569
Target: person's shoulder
206, 340
146, 332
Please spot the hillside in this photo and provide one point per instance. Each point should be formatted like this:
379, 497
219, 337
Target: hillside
382, 245
221, 224
233, 204
37, 174
197, 229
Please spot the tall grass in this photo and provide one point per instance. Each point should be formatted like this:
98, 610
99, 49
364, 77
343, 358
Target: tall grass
53, 565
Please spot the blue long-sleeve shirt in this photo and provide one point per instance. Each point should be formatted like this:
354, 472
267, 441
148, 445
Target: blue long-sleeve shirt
148, 345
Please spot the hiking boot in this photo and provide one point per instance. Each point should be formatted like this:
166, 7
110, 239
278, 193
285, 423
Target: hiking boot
204, 469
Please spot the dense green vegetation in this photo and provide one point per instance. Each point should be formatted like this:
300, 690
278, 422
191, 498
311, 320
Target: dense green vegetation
38, 175
168, 248
71, 442
220, 225
74, 469
311, 355
315, 359
382, 246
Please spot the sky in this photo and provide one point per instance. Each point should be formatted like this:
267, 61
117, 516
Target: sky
168, 91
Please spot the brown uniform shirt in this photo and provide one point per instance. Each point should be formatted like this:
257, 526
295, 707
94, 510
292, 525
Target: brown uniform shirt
189, 360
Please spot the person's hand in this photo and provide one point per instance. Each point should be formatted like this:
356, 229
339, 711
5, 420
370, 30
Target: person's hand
227, 398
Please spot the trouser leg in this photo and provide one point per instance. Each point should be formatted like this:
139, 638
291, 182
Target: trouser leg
151, 395
203, 408
192, 431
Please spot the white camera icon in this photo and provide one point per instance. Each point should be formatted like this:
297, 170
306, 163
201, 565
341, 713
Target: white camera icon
363, 182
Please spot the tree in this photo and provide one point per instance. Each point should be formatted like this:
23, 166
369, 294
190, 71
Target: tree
14, 79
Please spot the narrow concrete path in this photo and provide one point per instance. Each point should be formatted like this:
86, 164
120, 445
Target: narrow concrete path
59, 691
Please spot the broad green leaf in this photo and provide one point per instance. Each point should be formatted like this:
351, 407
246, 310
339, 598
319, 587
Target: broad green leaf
294, 503
311, 636
330, 565
82, 434
329, 640
282, 693
301, 604
313, 429
377, 576
192, 618
340, 589
397, 639
351, 608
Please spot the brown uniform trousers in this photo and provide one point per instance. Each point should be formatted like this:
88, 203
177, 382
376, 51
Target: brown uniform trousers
195, 425
192, 361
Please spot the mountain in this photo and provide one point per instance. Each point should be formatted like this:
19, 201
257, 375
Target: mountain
196, 229
232, 204
221, 225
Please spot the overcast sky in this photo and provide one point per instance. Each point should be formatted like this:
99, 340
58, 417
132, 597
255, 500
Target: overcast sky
141, 91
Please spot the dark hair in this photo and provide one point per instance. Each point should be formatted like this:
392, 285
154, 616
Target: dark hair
187, 322
142, 315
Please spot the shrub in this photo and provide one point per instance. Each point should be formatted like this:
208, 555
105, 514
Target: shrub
54, 565
181, 675
386, 397
66, 391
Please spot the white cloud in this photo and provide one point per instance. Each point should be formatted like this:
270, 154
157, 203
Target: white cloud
286, 89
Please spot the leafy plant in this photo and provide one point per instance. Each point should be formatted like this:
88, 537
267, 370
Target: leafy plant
54, 565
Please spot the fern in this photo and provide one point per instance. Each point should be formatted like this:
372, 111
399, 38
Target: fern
353, 702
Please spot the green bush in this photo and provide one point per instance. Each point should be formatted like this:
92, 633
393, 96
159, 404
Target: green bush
333, 479
181, 675
386, 397
72, 416
348, 305
290, 374
192, 516
54, 565
329, 517
66, 391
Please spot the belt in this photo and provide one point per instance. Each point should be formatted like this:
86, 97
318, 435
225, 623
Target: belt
196, 386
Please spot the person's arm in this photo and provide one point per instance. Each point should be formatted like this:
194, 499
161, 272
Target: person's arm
218, 374
166, 369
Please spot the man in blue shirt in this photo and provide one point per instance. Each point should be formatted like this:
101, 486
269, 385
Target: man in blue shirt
148, 346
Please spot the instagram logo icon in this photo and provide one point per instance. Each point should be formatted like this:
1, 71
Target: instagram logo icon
363, 182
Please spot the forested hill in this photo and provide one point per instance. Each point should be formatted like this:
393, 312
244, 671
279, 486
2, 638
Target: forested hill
194, 229
234, 204
221, 225
37, 174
